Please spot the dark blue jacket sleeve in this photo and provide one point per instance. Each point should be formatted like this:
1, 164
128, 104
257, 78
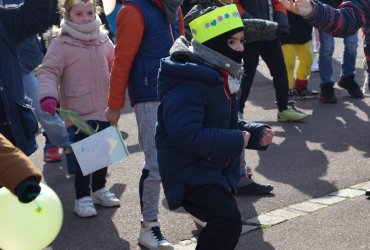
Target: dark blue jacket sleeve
255, 129
27, 19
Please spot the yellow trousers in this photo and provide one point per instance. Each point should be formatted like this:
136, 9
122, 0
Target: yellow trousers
305, 57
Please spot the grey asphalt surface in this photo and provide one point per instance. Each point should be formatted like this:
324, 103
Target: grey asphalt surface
328, 151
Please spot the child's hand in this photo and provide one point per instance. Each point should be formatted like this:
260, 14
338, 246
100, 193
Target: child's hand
113, 115
246, 137
266, 136
299, 7
49, 104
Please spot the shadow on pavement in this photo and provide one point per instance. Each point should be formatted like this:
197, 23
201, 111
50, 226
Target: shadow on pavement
82, 233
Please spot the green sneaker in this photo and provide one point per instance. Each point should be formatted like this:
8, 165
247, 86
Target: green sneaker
291, 114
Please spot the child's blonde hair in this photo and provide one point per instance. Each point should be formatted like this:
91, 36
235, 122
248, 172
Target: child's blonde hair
66, 5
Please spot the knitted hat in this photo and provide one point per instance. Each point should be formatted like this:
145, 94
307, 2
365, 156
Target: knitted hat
216, 27
215, 23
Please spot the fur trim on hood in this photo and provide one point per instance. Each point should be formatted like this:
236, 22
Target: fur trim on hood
56, 31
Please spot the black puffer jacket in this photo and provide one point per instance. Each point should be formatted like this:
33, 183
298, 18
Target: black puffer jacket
300, 31
271, 10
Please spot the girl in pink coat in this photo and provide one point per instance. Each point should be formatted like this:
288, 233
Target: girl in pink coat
75, 72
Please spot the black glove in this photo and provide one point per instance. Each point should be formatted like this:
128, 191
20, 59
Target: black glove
282, 31
27, 190
259, 30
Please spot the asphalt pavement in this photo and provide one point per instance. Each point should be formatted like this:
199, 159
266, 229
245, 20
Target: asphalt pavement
319, 169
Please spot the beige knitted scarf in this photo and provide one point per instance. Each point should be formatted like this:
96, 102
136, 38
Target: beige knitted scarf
84, 32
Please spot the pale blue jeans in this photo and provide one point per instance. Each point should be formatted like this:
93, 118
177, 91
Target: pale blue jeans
326, 53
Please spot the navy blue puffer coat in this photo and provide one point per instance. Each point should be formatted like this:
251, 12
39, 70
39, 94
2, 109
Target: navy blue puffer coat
18, 123
198, 136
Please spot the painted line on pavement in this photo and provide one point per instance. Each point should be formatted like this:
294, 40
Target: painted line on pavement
281, 215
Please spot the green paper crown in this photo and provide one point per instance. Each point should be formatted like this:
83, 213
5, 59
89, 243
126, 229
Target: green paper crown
215, 23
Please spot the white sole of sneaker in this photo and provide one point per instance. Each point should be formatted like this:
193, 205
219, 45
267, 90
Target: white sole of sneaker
155, 248
287, 120
86, 216
304, 97
98, 202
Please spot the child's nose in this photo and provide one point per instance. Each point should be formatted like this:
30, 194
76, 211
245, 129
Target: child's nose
240, 47
87, 19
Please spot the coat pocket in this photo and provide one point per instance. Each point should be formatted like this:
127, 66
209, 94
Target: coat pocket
28, 120
78, 99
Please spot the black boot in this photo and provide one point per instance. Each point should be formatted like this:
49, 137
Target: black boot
351, 86
327, 93
247, 186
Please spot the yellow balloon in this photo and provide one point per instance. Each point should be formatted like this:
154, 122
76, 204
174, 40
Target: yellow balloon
31, 226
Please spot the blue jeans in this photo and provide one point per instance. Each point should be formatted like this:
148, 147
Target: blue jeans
31, 89
326, 53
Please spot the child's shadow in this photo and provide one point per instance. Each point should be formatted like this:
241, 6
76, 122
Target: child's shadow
83, 233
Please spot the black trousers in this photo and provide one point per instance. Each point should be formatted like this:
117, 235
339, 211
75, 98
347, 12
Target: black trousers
97, 179
212, 204
272, 54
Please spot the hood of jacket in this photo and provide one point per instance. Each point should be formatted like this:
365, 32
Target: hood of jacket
183, 66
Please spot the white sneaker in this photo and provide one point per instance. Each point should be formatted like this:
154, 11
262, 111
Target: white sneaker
105, 198
152, 238
315, 66
84, 207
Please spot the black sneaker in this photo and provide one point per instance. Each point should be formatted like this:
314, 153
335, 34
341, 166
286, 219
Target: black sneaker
327, 94
351, 86
255, 189
305, 93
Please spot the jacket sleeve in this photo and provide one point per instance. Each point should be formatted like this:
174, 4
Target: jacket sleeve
130, 30
15, 166
255, 129
183, 118
51, 70
280, 16
342, 22
27, 19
